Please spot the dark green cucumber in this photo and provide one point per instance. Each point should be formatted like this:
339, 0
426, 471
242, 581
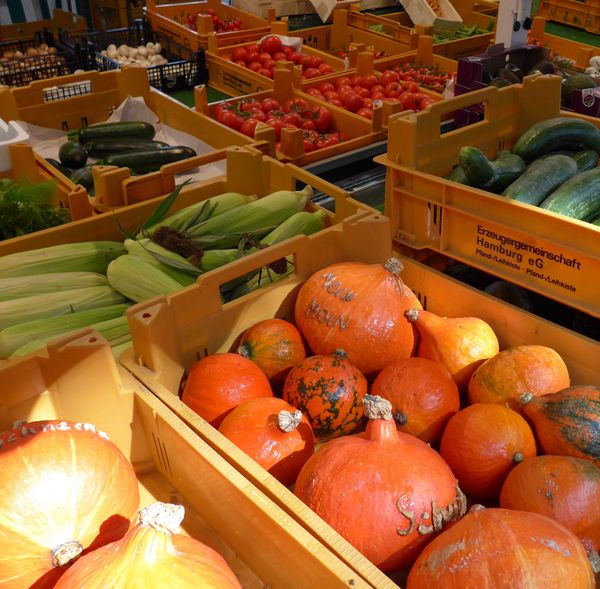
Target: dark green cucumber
72, 155
142, 162
83, 176
122, 130
586, 159
458, 175
63, 169
578, 198
508, 168
104, 147
555, 134
478, 169
541, 178
596, 221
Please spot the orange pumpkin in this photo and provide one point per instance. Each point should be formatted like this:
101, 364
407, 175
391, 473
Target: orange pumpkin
328, 390
423, 395
567, 422
275, 346
358, 308
503, 549
153, 555
273, 434
65, 489
220, 382
482, 443
386, 492
461, 344
564, 488
521, 369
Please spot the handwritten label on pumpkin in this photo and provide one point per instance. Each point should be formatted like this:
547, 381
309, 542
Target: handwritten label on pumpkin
322, 314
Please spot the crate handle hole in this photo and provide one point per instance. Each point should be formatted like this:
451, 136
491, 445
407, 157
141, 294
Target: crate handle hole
93, 340
146, 315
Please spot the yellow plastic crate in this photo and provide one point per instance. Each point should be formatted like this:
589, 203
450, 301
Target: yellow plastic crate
548, 253
171, 20
583, 14
578, 53
71, 102
170, 333
222, 509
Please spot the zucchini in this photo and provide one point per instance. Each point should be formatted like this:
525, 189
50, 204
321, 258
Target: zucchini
83, 176
72, 155
104, 147
596, 221
555, 134
541, 178
62, 169
578, 198
122, 130
586, 159
142, 162
458, 175
495, 175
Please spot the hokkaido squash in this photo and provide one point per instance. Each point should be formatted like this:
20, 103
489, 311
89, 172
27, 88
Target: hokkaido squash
275, 346
503, 549
564, 488
218, 383
273, 434
152, 555
359, 308
386, 492
482, 444
567, 423
538, 370
65, 488
328, 389
461, 344
423, 395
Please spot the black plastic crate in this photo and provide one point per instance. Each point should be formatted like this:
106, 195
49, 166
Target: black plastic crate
23, 71
184, 70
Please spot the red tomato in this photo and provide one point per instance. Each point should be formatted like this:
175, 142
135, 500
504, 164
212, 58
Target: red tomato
388, 76
271, 44
342, 90
376, 88
248, 104
315, 61
241, 63
309, 145
362, 91
280, 56
408, 101
343, 81
321, 117
330, 94
412, 87
298, 105
263, 71
264, 58
257, 113
356, 81
288, 50
293, 118
253, 49
393, 90
277, 124
365, 112
308, 125
326, 87
336, 102
425, 102
369, 81
305, 60
315, 92
352, 101
295, 57
269, 104
367, 103
255, 66
325, 69
230, 119
311, 72
239, 54
248, 127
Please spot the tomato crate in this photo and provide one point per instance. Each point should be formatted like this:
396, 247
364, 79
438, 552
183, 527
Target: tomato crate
173, 20
170, 333
548, 253
88, 98
61, 20
171, 463
579, 54
184, 68
583, 14
288, 144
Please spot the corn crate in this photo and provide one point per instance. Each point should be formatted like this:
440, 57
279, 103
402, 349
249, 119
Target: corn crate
548, 253
85, 99
583, 14
61, 20
176, 67
190, 23
172, 464
345, 132
171, 333
561, 49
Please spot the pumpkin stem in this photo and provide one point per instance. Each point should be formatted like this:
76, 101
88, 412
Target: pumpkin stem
394, 265
377, 407
518, 457
594, 559
340, 353
400, 418
288, 421
526, 398
244, 350
66, 553
476, 507
163, 517
412, 314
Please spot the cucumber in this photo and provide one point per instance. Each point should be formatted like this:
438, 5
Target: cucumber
142, 162
586, 159
555, 134
72, 155
495, 175
63, 169
83, 176
578, 198
458, 175
122, 130
541, 178
596, 221
104, 147
508, 168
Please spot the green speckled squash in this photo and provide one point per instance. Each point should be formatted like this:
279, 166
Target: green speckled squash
328, 389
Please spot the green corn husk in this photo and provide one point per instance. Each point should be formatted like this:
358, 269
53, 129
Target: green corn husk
301, 223
138, 279
152, 252
212, 259
258, 217
87, 256
115, 331
16, 336
51, 304
259, 279
197, 213
16, 287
